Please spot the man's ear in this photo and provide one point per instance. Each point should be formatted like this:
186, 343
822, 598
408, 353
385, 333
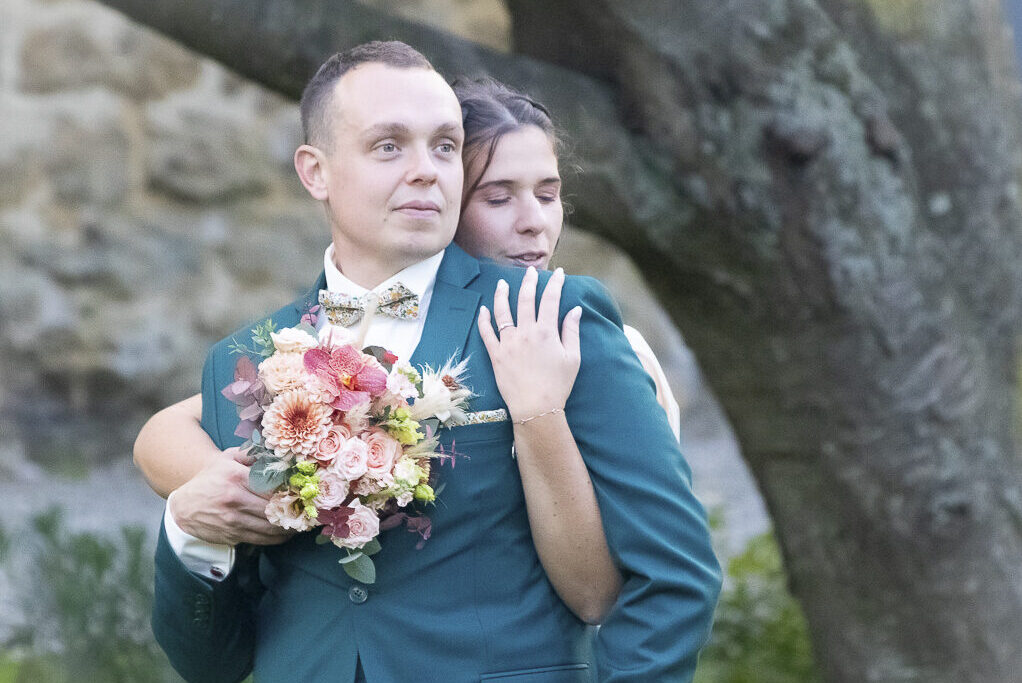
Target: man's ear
310, 164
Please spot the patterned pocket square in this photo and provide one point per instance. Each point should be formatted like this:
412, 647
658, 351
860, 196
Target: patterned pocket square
484, 417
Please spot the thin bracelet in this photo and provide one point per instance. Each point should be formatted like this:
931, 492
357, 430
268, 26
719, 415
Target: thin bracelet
552, 410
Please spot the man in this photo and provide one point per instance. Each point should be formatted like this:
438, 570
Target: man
384, 134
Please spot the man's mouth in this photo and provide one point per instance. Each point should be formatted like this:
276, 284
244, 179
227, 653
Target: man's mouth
420, 209
529, 258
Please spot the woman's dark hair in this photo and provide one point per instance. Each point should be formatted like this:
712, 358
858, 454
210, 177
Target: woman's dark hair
490, 110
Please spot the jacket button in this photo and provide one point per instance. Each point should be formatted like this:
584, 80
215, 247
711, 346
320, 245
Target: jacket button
358, 594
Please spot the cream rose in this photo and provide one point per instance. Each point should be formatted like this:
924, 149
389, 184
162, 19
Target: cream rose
351, 460
291, 339
285, 510
332, 490
335, 335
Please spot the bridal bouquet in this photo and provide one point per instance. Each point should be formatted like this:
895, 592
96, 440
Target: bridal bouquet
344, 438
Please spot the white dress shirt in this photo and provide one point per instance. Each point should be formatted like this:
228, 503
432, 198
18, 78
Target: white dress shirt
398, 336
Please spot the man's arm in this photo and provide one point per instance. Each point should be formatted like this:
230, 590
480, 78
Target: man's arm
656, 529
205, 627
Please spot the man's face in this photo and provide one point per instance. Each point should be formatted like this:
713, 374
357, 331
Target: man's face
392, 167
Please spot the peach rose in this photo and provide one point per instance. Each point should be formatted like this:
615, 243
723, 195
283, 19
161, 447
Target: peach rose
384, 452
363, 526
283, 371
331, 444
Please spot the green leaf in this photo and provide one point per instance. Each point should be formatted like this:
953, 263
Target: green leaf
439, 489
322, 540
261, 480
351, 556
257, 438
379, 353
360, 568
432, 423
372, 547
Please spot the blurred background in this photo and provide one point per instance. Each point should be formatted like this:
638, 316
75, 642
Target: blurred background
148, 206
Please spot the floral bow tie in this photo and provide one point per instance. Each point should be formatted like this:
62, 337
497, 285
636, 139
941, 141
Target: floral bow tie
397, 301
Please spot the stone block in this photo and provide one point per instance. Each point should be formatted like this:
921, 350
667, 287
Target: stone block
122, 57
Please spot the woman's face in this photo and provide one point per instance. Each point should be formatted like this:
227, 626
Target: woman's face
514, 215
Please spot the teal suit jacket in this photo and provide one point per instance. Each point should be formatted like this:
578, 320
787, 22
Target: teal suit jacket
474, 603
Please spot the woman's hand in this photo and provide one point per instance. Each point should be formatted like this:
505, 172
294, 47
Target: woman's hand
535, 367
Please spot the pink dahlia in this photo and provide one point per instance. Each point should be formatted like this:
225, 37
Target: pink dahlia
347, 375
295, 423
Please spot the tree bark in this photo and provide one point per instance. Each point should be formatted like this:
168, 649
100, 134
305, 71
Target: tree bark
825, 196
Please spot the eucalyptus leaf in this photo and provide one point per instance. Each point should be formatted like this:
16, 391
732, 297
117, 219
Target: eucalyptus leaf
257, 438
261, 480
372, 547
361, 569
432, 424
322, 540
351, 556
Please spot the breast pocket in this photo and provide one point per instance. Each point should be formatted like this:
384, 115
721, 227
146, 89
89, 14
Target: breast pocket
563, 673
478, 433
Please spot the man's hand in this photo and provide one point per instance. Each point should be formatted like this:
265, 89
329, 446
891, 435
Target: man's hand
217, 506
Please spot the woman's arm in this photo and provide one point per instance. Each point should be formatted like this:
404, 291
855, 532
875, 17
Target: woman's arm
559, 497
172, 447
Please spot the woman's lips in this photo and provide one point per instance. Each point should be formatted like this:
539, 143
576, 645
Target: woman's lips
532, 258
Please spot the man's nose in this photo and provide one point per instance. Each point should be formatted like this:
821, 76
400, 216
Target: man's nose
423, 166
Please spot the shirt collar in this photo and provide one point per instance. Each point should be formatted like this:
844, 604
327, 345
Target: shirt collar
418, 277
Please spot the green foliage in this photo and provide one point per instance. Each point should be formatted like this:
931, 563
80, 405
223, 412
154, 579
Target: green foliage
262, 343
89, 602
759, 634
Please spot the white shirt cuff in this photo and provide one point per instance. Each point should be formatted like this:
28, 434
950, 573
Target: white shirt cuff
212, 560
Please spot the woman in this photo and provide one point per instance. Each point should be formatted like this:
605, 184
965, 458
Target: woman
511, 212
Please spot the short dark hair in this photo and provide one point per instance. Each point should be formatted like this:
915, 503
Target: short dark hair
489, 111
315, 102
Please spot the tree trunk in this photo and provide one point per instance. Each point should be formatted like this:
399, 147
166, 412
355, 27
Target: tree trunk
825, 196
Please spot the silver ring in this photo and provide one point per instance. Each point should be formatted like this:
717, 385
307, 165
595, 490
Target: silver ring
505, 325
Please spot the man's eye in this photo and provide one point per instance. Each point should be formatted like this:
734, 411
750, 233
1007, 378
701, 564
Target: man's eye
387, 148
447, 148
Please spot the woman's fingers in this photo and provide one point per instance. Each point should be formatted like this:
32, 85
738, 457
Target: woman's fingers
569, 332
551, 301
486, 332
501, 307
527, 298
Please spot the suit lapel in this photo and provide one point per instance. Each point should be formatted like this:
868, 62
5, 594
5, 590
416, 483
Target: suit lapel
452, 311
302, 304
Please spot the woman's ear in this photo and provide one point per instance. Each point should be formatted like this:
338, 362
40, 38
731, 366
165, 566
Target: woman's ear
310, 164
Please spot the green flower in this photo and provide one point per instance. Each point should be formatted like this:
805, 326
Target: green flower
306, 467
402, 427
424, 492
